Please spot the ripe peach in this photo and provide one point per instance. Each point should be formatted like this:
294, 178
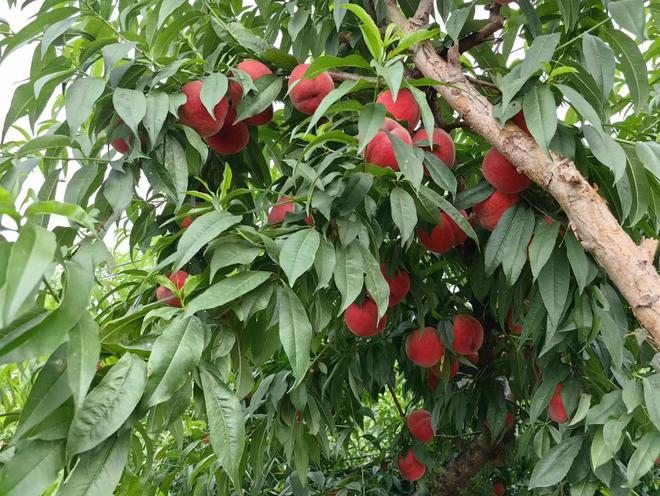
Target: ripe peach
255, 70
285, 205
423, 347
419, 425
399, 284
363, 320
490, 211
516, 328
519, 118
404, 108
410, 468
308, 94
502, 174
474, 358
165, 295
468, 335
194, 114
380, 151
443, 145
556, 410
444, 236
120, 145
232, 138
498, 487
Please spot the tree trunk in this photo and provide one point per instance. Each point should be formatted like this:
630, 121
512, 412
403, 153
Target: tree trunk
629, 266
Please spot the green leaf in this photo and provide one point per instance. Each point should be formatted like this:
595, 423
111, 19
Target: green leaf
226, 424
540, 115
175, 354
47, 142
29, 258
166, 8
376, 284
370, 31
554, 466
410, 163
652, 398
606, 150
348, 273
644, 457
49, 392
599, 61
456, 22
79, 100
334, 96
393, 76
450, 210
68, 210
324, 263
227, 290
582, 409
205, 229
268, 87
648, 153
228, 252
411, 39
298, 253
98, 471
507, 245
157, 108
583, 488
631, 63
404, 213
600, 452
578, 260
326, 62
542, 245
84, 350
554, 283
32, 469
580, 104
108, 405
176, 164
118, 190
570, 11
440, 173
131, 106
213, 90
629, 14
295, 332
428, 119
372, 117
539, 53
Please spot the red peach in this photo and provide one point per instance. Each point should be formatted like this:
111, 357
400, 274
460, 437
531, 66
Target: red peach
556, 410
424, 348
502, 174
498, 487
255, 70
285, 205
185, 223
193, 113
404, 108
419, 425
308, 94
399, 284
443, 145
165, 295
232, 138
490, 211
516, 328
519, 118
468, 335
380, 151
363, 320
434, 374
410, 468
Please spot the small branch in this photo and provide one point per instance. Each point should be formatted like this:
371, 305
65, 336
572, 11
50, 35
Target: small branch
397, 404
481, 82
347, 76
455, 125
495, 23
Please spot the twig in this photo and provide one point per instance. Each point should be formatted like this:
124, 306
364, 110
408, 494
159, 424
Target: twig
481, 82
397, 404
495, 23
347, 76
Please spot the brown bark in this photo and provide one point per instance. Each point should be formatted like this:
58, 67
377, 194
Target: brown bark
629, 266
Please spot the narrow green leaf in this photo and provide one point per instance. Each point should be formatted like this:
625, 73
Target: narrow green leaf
554, 466
334, 96
32, 469
213, 90
540, 115
324, 263
633, 66
166, 8
232, 251
84, 350
348, 273
539, 52
606, 150
410, 163
580, 104
175, 354
542, 245
268, 88
157, 108
371, 120
456, 22
404, 213
176, 164
376, 284
599, 61
298, 253
554, 283
644, 457
131, 106
205, 229
79, 100
295, 332
108, 405
629, 14
226, 424
450, 210
369, 30
227, 290
578, 260
652, 397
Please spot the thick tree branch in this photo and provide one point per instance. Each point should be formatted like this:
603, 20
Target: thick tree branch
627, 264
347, 76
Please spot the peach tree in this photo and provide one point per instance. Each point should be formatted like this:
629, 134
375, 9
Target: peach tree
331, 247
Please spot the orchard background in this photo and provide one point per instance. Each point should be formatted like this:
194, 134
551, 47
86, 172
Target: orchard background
237, 274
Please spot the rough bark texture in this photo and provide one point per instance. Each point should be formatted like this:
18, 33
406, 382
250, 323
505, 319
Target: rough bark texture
629, 266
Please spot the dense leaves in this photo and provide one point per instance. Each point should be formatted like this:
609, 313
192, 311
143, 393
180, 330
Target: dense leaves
179, 272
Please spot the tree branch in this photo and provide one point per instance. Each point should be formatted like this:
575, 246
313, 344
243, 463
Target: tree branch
597, 229
424, 11
347, 76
